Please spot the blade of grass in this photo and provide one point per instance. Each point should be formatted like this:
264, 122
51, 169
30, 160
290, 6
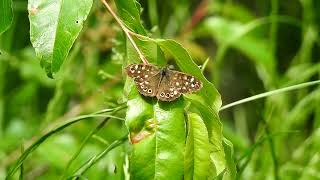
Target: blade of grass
21, 167
93, 160
270, 93
34, 145
100, 139
248, 153
86, 139
271, 145
274, 25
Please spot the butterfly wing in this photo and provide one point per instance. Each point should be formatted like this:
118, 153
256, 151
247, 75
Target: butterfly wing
175, 84
166, 91
184, 83
146, 77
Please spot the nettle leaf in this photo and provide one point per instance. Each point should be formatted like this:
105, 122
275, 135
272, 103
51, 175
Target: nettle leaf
197, 155
54, 26
6, 15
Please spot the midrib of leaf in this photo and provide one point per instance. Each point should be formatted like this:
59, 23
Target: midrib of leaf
156, 142
56, 30
157, 111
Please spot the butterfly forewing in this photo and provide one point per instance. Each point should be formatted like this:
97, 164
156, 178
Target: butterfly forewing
184, 83
146, 78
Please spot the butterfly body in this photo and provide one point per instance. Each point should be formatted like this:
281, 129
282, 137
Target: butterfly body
163, 83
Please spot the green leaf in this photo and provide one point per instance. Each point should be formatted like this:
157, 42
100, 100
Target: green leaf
211, 120
230, 165
54, 26
157, 132
182, 58
6, 15
197, 156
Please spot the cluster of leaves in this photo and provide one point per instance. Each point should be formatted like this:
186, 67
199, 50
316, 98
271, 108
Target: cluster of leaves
80, 45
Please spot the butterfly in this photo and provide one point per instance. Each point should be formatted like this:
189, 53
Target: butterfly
163, 83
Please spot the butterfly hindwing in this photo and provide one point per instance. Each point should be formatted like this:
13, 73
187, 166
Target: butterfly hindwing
146, 78
167, 92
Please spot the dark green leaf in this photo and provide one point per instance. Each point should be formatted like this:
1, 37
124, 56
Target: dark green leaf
6, 15
54, 26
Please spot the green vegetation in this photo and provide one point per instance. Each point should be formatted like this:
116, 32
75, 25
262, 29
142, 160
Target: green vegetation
68, 110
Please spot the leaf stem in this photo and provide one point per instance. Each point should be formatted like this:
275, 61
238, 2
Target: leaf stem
126, 31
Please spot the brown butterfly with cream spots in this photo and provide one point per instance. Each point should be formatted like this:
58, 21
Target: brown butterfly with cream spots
165, 84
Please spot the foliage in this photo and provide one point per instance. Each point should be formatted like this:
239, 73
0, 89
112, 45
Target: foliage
73, 114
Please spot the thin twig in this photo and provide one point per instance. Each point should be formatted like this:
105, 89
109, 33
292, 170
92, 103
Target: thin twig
126, 31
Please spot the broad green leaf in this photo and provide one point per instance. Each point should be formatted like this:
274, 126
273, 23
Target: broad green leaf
154, 127
184, 61
157, 132
54, 26
6, 15
129, 11
211, 120
197, 156
157, 129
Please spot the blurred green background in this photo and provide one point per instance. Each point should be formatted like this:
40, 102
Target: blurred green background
253, 46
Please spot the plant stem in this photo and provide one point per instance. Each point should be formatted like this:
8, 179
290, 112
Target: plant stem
266, 94
126, 31
274, 25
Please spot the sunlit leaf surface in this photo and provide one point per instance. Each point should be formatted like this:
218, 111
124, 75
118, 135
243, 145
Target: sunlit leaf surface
54, 26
